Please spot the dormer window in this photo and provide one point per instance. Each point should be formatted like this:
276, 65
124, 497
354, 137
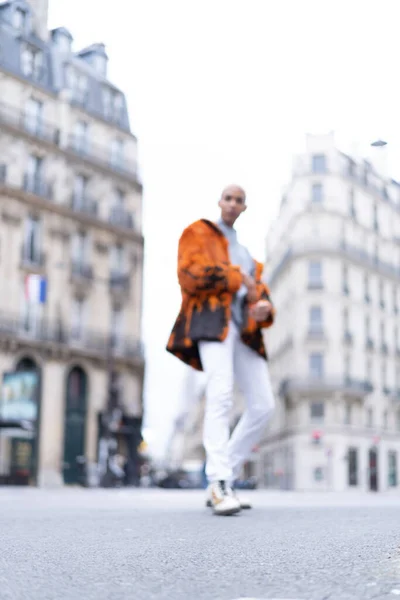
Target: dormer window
100, 64
32, 62
113, 104
19, 19
78, 84
63, 43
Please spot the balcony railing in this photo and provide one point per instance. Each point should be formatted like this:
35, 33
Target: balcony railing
35, 184
121, 217
338, 248
84, 204
47, 332
315, 333
81, 270
119, 281
101, 156
305, 385
37, 127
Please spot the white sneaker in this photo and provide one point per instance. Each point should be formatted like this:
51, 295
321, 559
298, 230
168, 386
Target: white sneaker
222, 499
245, 504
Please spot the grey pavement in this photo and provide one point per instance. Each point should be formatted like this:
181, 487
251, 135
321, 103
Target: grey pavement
74, 544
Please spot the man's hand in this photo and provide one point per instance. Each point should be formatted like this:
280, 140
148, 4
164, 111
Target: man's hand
250, 283
261, 311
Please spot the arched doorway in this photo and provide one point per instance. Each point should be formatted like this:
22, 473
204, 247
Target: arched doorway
75, 424
20, 423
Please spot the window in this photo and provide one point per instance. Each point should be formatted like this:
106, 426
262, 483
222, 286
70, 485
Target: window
80, 251
375, 218
81, 139
118, 106
367, 327
394, 295
345, 280
32, 62
347, 413
392, 468
366, 288
78, 84
383, 375
100, 64
19, 19
31, 314
383, 335
352, 463
80, 187
381, 293
33, 175
385, 419
347, 367
315, 315
317, 193
398, 420
352, 206
32, 242
118, 259
77, 318
117, 153
33, 116
319, 163
316, 365
315, 275
346, 320
317, 412
370, 418
318, 474
116, 326
119, 199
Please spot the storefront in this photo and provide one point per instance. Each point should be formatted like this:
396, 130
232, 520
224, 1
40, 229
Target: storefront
19, 424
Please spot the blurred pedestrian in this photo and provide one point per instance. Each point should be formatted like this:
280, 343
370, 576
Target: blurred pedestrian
225, 306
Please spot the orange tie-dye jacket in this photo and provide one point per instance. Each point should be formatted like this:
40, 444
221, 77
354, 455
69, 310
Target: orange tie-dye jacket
208, 281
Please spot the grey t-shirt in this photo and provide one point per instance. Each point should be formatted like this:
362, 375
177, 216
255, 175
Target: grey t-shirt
239, 255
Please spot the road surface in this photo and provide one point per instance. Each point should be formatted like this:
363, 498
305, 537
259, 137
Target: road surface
75, 544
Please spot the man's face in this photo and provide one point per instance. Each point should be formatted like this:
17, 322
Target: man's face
232, 204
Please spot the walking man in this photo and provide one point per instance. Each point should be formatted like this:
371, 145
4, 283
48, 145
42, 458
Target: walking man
225, 305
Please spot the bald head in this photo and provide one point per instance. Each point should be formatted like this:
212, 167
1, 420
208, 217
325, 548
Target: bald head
233, 189
232, 203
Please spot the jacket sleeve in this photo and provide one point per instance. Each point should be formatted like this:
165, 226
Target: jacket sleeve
264, 294
196, 275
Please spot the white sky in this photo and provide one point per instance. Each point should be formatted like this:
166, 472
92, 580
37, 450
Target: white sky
223, 91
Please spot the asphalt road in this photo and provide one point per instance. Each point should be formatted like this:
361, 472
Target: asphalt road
78, 544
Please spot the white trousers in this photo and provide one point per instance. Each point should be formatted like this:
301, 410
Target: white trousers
224, 363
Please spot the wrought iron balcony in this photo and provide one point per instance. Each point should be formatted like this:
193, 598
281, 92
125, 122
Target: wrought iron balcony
44, 331
84, 204
81, 270
315, 333
35, 184
119, 282
101, 156
335, 248
121, 217
313, 385
26, 123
